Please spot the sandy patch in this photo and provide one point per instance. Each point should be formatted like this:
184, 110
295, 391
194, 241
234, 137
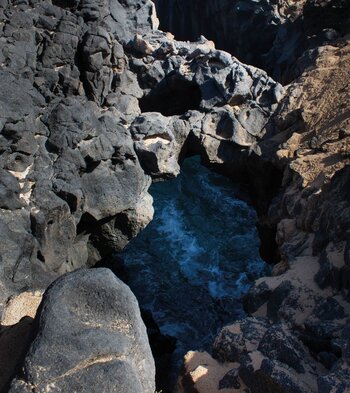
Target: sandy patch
206, 373
25, 304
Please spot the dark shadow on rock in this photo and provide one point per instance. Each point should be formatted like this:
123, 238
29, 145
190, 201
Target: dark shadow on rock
14, 344
172, 96
162, 345
252, 174
115, 263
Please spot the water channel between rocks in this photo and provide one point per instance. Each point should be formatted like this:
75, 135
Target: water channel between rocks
193, 263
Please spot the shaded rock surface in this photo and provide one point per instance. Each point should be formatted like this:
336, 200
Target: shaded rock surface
286, 28
90, 337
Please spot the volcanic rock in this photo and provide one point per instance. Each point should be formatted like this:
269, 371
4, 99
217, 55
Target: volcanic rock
90, 337
95, 101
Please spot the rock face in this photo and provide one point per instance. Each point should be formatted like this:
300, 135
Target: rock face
90, 338
233, 24
257, 356
268, 34
77, 154
71, 184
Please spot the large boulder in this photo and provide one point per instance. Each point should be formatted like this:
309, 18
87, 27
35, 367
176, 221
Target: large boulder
90, 338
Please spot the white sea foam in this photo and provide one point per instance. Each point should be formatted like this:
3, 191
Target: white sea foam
196, 259
182, 244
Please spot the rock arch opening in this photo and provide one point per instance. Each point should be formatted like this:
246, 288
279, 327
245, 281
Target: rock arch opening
172, 96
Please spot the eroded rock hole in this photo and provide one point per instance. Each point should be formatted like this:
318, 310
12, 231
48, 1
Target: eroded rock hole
172, 96
194, 262
68, 4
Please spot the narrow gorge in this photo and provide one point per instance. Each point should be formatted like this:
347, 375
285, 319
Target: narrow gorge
216, 190
192, 265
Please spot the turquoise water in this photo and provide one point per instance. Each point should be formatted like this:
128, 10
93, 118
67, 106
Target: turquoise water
197, 258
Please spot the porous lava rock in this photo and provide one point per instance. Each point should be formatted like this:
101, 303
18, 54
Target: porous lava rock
90, 338
280, 36
83, 127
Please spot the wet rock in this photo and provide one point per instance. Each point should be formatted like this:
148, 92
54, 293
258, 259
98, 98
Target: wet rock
90, 337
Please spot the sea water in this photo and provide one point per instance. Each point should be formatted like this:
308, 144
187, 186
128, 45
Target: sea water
193, 263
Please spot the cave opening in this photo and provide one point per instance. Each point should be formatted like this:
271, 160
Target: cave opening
192, 265
172, 96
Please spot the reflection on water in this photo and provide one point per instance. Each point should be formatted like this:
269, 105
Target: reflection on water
196, 259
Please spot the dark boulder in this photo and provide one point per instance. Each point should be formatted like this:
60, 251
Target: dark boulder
262, 374
90, 338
